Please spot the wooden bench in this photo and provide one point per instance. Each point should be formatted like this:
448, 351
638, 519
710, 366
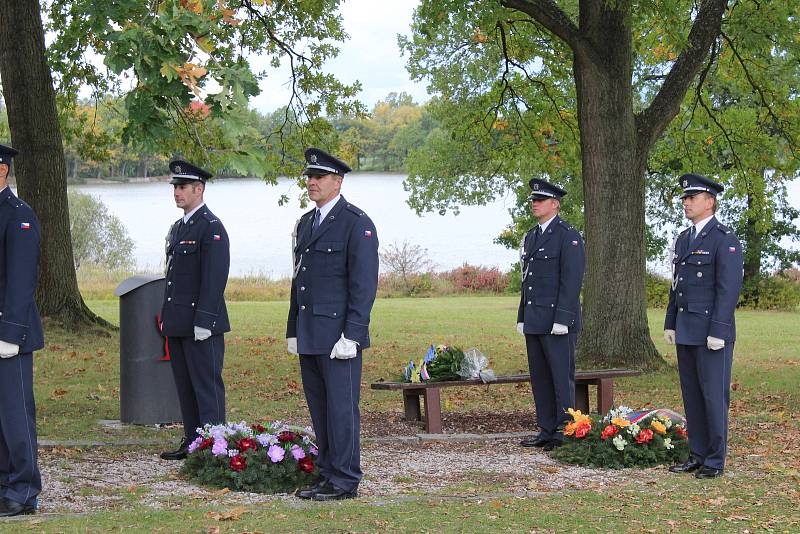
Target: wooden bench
429, 391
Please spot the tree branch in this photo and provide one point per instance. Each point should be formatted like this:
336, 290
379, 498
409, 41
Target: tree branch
650, 124
549, 15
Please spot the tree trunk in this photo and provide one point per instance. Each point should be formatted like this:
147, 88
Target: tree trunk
615, 332
40, 167
753, 246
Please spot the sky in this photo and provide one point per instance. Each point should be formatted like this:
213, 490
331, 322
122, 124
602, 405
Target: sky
371, 55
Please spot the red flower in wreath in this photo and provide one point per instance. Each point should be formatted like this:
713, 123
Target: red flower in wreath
305, 464
238, 463
258, 428
582, 429
246, 444
681, 432
609, 432
286, 437
206, 443
645, 436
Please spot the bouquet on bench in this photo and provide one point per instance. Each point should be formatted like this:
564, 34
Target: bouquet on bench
443, 363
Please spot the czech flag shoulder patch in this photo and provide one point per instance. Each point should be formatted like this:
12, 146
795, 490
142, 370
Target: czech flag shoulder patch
216, 237
25, 226
367, 233
731, 249
574, 243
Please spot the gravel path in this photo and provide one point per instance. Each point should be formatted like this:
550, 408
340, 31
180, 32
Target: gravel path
107, 479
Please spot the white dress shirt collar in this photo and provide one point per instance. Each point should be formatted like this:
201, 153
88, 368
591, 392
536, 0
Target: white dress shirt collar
326, 209
702, 224
545, 224
188, 216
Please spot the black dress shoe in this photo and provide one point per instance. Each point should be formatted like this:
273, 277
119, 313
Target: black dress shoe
534, 442
178, 454
10, 508
708, 472
308, 491
688, 467
552, 444
330, 492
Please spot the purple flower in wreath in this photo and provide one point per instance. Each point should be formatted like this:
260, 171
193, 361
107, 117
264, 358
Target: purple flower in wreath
276, 453
220, 447
313, 450
431, 355
297, 452
196, 443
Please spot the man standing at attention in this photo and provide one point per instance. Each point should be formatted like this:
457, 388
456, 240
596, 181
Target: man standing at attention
553, 262
194, 316
333, 289
707, 270
20, 335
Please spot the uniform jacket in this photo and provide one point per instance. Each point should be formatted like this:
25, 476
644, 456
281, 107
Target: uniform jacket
19, 269
707, 278
552, 275
198, 260
336, 280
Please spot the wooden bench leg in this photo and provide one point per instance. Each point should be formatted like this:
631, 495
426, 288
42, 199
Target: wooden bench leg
582, 397
433, 411
605, 395
411, 405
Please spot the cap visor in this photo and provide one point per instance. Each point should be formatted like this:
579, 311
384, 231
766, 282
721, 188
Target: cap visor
315, 172
182, 181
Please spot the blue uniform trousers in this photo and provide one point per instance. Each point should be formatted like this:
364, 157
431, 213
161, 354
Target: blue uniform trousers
197, 368
333, 391
706, 384
551, 360
20, 480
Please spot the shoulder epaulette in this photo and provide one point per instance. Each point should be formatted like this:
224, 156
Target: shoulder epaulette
722, 228
210, 217
354, 209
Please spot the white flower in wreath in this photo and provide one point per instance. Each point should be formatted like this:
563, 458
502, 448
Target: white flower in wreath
232, 452
633, 429
667, 421
668, 443
619, 442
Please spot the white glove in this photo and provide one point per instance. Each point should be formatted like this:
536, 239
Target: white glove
559, 329
714, 343
291, 345
669, 336
7, 350
344, 349
201, 334
521, 328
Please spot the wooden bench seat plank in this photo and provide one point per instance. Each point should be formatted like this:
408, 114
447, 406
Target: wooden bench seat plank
429, 391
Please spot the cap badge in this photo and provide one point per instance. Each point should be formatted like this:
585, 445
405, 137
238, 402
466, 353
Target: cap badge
312, 158
686, 183
536, 187
178, 169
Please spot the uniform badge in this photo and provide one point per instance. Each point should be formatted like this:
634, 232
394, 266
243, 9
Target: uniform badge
312, 158
216, 237
178, 169
367, 233
574, 243
25, 226
731, 249
686, 183
535, 187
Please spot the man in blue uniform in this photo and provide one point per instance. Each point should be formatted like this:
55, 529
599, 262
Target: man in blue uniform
553, 262
20, 335
194, 316
707, 277
334, 286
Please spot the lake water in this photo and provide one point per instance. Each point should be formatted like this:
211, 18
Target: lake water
260, 230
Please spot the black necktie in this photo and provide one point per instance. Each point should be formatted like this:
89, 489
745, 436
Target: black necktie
536, 238
692, 234
315, 225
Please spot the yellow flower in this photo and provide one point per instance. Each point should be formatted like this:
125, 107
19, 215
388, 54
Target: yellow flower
658, 427
577, 416
570, 428
620, 422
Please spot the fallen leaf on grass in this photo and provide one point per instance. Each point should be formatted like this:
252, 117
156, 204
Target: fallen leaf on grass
223, 491
230, 515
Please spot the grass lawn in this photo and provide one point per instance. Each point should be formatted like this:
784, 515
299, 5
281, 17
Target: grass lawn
77, 384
